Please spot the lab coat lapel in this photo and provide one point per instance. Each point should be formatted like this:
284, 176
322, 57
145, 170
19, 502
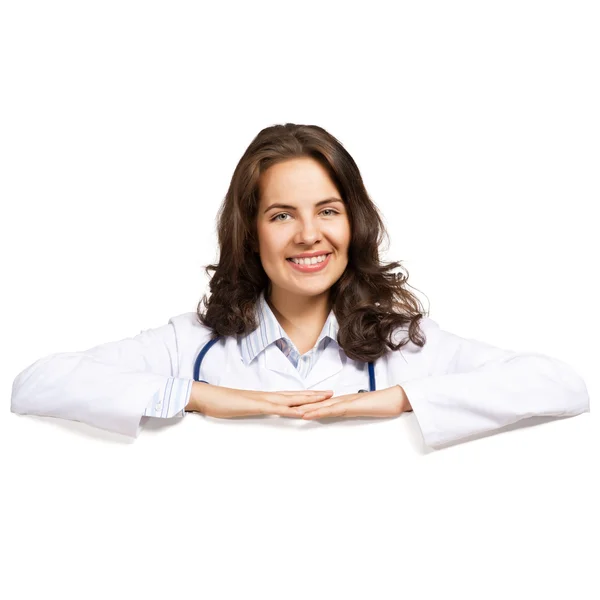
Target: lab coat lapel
328, 365
276, 360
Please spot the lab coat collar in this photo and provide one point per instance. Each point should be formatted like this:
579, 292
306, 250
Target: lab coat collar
269, 331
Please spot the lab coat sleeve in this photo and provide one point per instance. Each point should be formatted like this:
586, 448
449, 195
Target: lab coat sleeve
174, 400
110, 386
469, 387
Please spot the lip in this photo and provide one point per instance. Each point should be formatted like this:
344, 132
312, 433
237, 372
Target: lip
309, 254
309, 268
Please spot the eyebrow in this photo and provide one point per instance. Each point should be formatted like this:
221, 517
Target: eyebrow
290, 207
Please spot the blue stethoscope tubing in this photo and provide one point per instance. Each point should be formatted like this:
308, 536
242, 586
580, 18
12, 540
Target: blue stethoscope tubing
208, 346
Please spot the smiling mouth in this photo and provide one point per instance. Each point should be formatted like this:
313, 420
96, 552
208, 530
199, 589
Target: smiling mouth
308, 261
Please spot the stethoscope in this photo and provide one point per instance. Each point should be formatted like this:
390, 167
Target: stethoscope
209, 344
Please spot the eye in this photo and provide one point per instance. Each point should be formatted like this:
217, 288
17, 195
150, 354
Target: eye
276, 217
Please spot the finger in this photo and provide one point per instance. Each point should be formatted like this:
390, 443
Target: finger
317, 405
264, 407
307, 393
290, 397
330, 401
301, 398
339, 409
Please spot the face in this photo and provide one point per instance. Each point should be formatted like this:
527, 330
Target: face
297, 214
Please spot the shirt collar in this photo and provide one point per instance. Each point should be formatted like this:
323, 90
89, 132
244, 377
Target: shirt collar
269, 331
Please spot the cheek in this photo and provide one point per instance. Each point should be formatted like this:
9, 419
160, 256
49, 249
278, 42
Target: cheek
270, 245
341, 235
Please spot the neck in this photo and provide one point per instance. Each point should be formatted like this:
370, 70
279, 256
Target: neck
300, 315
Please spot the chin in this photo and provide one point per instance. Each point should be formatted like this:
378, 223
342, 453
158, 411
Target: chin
312, 290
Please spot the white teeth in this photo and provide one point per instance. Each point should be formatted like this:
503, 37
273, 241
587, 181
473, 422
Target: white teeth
309, 261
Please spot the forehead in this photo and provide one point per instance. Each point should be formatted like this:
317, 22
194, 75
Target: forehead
298, 180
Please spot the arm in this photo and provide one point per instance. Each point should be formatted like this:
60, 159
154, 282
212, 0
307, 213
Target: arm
110, 386
193, 402
468, 387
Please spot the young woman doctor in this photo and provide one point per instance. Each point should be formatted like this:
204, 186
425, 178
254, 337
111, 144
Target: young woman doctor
303, 321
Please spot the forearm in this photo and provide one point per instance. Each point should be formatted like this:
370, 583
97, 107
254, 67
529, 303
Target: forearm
404, 401
193, 404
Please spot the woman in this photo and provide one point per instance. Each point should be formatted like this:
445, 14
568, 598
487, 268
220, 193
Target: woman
302, 321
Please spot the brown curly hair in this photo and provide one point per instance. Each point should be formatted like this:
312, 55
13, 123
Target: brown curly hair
368, 300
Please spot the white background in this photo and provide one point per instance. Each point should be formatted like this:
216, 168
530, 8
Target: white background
475, 126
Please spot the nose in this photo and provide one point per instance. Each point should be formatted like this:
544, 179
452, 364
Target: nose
308, 233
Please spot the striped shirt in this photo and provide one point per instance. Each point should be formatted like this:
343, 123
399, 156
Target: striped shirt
171, 401
269, 331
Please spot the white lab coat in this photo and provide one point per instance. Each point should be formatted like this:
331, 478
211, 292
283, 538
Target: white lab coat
457, 387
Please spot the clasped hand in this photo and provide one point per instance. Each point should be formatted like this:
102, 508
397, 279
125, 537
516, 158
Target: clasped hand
389, 402
224, 402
